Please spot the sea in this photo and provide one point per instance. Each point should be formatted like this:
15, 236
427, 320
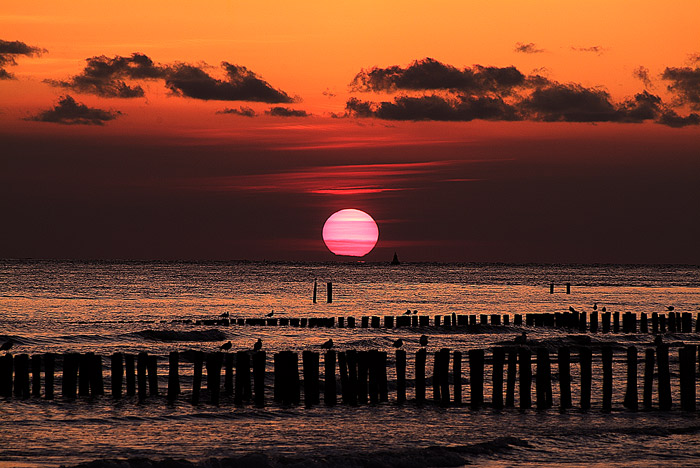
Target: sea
117, 306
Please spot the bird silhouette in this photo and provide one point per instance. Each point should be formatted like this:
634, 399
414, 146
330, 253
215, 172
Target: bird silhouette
605, 309
270, 314
670, 308
7, 345
595, 306
226, 346
423, 340
571, 309
398, 343
415, 312
328, 344
258, 345
522, 339
408, 312
224, 315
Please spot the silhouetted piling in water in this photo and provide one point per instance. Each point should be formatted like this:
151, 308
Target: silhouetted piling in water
662, 323
457, 377
383, 380
606, 322
117, 374
36, 375
568, 288
351, 356
437, 320
70, 375
400, 376
551, 288
49, 366
259, 363
616, 322
329, 391
420, 375
585, 363
197, 376
497, 378
476, 378
213, 363
373, 375
687, 322
315, 289
21, 376
564, 364
364, 322
329, 290
607, 357
631, 401
362, 376
594, 322
644, 323
173, 375
6, 373
444, 374
141, 366
686, 370
511, 376
152, 375
664, 377
543, 382
525, 358
228, 374
648, 377
375, 321
84, 365
655, 323
343, 371
436, 376
242, 391
697, 323
672, 322
310, 361
351, 322
130, 371
518, 320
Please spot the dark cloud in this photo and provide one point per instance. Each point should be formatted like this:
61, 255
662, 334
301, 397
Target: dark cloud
672, 119
9, 50
685, 83
430, 74
241, 84
70, 112
287, 112
569, 103
694, 58
113, 77
593, 49
529, 48
242, 110
642, 74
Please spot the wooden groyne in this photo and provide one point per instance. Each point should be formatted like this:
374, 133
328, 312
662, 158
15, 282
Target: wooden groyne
593, 322
362, 376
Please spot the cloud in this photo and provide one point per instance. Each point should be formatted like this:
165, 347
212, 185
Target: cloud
685, 83
9, 50
529, 48
430, 74
593, 49
287, 112
569, 103
694, 58
70, 112
672, 119
242, 110
642, 74
114, 77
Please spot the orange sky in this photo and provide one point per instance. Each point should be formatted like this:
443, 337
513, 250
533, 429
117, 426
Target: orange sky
311, 51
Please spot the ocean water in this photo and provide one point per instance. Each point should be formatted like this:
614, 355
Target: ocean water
104, 307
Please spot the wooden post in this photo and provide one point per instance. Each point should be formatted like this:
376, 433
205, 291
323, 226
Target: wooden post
616, 322
497, 378
436, 376
84, 370
197, 376
329, 290
343, 370
6, 371
551, 288
278, 374
457, 377
383, 380
117, 372
525, 357
36, 375
543, 379
687, 360
213, 363
49, 365
444, 374
351, 356
329, 391
511, 377
401, 376
228, 374
476, 377
293, 392
648, 377
70, 374
362, 376
586, 368
153, 375
22, 376
631, 396
564, 361
607, 357
141, 366
259, 359
173, 375
130, 374
242, 389
644, 323
655, 323
662, 323
315, 288
420, 375
594, 322
311, 389
568, 288
664, 378
97, 383
373, 372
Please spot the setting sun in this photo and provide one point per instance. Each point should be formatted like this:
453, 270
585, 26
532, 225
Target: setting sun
350, 232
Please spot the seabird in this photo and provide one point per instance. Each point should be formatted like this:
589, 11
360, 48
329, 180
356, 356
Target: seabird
571, 309
604, 309
270, 314
226, 346
408, 312
7, 345
328, 344
224, 315
522, 339
423, 340
398, 343
595, 306
415, 312
670, 308
258, 345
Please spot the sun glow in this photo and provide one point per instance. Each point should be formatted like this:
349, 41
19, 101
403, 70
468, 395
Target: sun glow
350, 232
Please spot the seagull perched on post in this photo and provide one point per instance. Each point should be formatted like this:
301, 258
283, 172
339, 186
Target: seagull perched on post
423, 341
571, 309
7, 345
226, 346
270, 314
398, 343
224, 315
670, 308
408, 312
328, 344
258, 345
605, 309
595, 306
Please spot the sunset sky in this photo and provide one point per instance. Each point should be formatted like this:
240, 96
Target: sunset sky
470, 131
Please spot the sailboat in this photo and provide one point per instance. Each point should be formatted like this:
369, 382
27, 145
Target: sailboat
395, 260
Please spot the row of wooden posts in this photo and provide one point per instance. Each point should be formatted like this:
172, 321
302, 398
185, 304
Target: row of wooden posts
605, 322
363, 377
